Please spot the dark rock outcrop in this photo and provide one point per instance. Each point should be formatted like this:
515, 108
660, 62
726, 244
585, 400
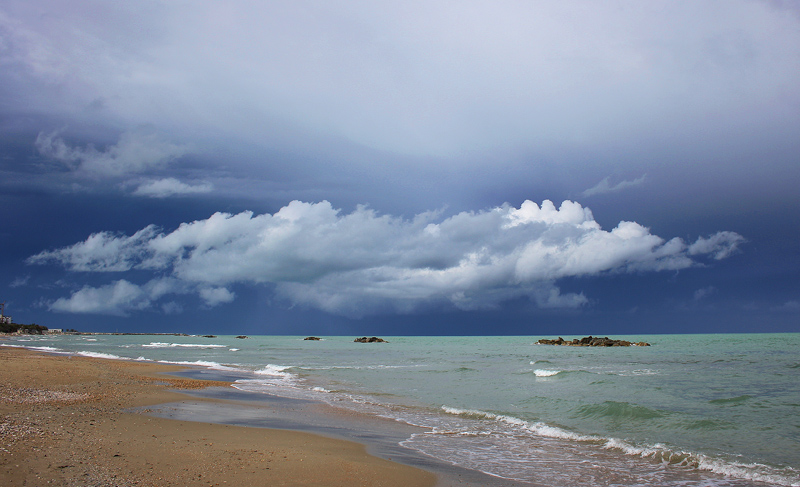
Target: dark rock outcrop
370, 340
591, 341
312, 338
242, 336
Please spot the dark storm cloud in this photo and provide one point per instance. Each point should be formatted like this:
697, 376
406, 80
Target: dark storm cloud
171, 111
438, 78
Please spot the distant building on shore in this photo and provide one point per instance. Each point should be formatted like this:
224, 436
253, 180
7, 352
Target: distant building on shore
4, 320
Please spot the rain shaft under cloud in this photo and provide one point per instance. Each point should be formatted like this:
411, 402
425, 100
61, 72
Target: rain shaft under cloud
363, 262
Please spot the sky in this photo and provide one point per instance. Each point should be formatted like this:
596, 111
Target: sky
401, 168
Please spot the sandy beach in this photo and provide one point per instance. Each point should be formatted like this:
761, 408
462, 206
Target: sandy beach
65, 422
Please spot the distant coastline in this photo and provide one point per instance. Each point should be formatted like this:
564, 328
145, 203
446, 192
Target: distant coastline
17, 329
125, 333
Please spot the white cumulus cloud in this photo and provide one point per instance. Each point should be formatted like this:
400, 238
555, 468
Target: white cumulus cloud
114, 299
364, 262
122, 296
100, 252
216, 295
720, 245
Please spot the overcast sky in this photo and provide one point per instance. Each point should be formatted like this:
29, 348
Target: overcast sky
505, 167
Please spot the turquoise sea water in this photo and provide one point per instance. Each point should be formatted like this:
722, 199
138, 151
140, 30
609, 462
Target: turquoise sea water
711, 410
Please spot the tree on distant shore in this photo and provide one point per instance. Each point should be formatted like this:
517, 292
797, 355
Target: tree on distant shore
32, 329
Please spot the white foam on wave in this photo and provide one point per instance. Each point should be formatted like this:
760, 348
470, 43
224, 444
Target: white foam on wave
538, 428
756, 472
181, 345
664, 454
41, 349
658, 452
476, 414
100, 355
360, 367
271, 375
545, 372
276, 370
199, 363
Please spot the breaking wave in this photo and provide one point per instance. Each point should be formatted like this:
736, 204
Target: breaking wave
511, 427
101, 355
201, 363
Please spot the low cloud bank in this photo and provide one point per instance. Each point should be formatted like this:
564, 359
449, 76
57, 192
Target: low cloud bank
135, 152
164, 188
364, 262
604, 187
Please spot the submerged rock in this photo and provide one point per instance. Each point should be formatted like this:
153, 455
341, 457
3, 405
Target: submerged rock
591, 341
370, 340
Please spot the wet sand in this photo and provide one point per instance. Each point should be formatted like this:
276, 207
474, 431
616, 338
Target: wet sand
68, 420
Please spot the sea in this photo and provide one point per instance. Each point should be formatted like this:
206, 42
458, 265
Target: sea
689, 410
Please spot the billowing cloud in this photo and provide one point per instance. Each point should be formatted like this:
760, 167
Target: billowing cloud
216, 295
364, 262
720, 245
135, 152
163, 188
605, 187
122, 297
101, 252
117, 298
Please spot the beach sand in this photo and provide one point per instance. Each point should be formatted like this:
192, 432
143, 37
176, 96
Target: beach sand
63, 421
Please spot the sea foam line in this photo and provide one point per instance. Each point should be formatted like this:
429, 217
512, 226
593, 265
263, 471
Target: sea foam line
271, 375
181, 345
201, 363
539, 428
40, 349
359, 367
276, 370
109, 356
659, 452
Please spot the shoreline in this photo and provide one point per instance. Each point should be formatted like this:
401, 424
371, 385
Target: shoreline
71, 420
282, 383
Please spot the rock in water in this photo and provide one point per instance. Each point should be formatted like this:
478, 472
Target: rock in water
591, 341
370, 340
